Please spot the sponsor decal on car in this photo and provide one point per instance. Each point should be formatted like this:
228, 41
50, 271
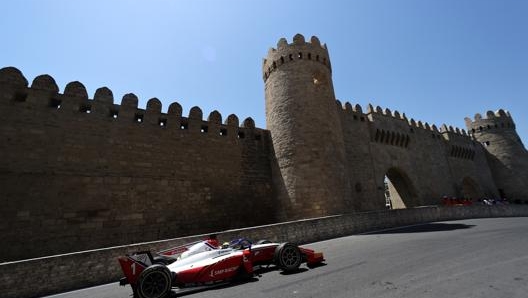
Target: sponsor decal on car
222, 271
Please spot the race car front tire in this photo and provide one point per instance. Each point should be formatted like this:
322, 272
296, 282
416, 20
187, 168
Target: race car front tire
288, 257
154, 282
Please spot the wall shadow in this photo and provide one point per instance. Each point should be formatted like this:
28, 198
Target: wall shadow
430, 227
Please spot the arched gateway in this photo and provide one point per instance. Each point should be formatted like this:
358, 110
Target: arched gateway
400, 192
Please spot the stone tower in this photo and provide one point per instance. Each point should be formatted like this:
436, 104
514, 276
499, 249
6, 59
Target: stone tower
302, 116
507, 158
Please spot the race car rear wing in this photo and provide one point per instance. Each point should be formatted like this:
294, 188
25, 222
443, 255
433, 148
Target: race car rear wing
132, 266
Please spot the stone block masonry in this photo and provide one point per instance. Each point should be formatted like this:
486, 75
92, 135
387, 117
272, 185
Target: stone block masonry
55, 274
81, 173
335, 158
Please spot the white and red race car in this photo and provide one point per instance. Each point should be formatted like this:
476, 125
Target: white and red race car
205, 264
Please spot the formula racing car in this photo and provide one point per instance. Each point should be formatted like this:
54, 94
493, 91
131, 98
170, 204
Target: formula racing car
204, 264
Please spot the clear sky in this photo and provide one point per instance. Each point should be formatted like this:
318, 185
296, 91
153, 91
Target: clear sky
437, 61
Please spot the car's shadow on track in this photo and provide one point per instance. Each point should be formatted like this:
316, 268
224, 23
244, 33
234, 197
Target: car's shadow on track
227, 284
223, 285
301, 270
241, 280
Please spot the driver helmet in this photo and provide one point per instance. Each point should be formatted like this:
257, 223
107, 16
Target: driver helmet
240, 243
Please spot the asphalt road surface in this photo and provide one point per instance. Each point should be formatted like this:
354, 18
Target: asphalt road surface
468, 258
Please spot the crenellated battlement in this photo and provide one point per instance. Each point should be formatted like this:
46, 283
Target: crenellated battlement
44, 93
79, 164
79, 168
297, 51
373, 113
454, 130
12, 76
500, 119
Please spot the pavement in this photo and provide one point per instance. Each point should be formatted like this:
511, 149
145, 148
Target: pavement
485, 258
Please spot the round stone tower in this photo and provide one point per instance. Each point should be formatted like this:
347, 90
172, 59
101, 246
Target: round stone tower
302, 116
507, 158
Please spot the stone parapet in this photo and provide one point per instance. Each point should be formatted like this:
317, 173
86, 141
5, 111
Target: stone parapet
55, 274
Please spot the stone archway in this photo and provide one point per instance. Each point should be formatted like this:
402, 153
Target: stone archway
470, 189
399, 190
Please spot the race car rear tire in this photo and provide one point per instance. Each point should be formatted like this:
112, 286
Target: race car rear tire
288, 257
154, 282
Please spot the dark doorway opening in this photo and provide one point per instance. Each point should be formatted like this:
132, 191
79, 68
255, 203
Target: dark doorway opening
399, 190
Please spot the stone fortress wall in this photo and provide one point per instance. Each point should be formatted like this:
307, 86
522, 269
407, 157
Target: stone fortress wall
507, 156
80, 173
334, 158
423, 162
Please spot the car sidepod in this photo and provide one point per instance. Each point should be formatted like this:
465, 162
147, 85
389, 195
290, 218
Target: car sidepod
223, 266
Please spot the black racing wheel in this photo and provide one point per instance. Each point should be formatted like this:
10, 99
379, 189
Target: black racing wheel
154, 282
288, 257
